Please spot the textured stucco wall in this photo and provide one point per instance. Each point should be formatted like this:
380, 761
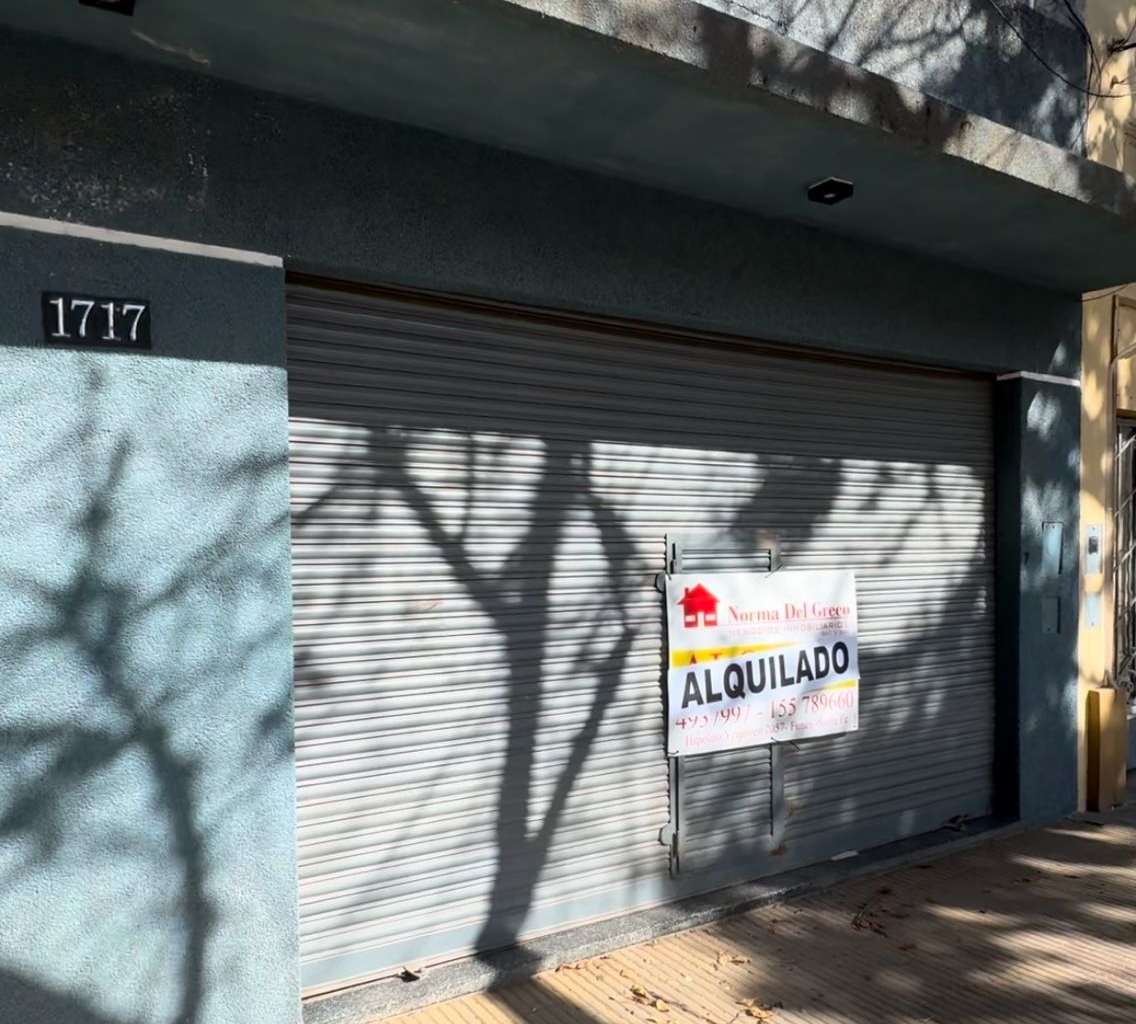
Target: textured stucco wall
963, 52
147, 865
1038, 466
143, 148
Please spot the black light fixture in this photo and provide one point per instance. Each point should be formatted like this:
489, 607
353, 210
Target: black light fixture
114, 6
831, 191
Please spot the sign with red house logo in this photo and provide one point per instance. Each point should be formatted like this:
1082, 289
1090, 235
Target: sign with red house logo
699, 607
757, 659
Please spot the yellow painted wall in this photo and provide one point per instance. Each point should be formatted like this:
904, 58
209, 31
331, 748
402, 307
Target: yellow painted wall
1109, 326
1110, 120
1094, 646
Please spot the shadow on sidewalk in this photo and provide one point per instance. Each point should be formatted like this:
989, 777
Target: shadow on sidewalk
1039, 927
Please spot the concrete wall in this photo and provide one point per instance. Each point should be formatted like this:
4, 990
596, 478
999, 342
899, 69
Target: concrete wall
963, 52
147, 792
1038, 740
142, 148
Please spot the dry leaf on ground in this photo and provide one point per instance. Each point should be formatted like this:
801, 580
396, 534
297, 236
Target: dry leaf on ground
579, 965
864, 919
732, 958
639, 990
753, 1004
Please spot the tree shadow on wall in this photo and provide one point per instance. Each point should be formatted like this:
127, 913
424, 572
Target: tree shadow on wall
515, 599
456, 529
110, 799
30, 1002
968, 53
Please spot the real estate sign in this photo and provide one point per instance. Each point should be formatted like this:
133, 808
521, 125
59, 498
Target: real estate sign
757, 659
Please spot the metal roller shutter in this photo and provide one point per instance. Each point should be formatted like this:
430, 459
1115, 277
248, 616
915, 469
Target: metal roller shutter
480, 504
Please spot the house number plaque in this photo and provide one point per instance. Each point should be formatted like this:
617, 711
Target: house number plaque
89, 321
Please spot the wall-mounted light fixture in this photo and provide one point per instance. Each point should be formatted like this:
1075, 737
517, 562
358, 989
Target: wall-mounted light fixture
831, 191
114, 6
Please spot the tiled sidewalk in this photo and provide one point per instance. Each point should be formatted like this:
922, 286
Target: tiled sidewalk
1038, 927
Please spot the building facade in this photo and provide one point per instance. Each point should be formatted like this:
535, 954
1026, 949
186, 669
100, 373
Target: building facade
365, 366
1108, 638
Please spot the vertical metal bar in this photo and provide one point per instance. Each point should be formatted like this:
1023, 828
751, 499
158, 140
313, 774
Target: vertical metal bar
777, 813
1124, 540
674, 768
675, 783
1123, 529
777, 792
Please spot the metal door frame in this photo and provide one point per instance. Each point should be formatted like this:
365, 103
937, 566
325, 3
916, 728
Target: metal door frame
1124, 559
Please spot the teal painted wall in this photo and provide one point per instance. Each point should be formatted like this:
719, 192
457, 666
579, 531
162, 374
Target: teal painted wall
1037, 433
147, 864
145, 148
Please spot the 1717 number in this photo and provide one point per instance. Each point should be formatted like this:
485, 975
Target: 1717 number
87, 320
